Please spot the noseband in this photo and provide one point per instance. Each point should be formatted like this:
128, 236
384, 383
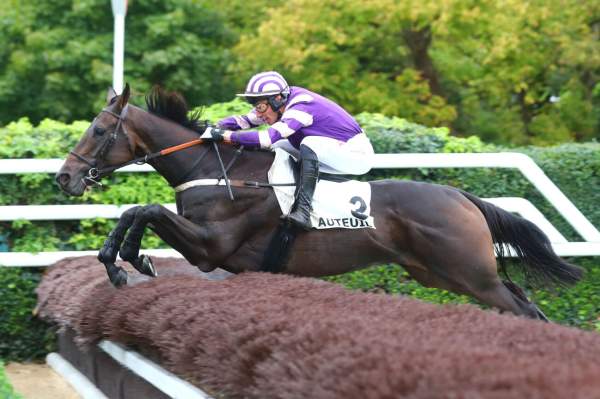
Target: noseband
94, 174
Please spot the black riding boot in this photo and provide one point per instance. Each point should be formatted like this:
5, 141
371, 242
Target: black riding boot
309, 172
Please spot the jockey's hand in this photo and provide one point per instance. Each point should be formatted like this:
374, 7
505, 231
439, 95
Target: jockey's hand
215, 134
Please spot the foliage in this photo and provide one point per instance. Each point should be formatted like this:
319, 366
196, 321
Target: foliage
348, 51
222, 110
56, 55
6, 389
512, 72
509, 71
22, 336
526, 85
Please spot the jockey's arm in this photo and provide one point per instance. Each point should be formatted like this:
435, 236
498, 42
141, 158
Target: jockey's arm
255, 139
240, 122
291, 121
283, 129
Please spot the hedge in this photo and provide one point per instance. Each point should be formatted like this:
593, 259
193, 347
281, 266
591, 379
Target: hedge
6, 389
575, 168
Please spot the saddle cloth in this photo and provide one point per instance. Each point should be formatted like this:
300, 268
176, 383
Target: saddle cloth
345, 205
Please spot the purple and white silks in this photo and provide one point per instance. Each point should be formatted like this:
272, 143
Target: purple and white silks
313, 120
265, 84
240, 122
306, 114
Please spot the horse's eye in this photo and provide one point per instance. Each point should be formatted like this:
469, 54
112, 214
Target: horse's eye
98, 131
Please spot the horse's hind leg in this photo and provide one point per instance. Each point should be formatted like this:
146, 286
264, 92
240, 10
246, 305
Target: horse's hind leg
520, 295
481, 280
493, 294
508, 298
474, 274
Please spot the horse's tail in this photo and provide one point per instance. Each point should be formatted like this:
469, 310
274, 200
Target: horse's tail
530, 244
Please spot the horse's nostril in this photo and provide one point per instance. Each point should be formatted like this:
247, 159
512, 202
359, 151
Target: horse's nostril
63, 179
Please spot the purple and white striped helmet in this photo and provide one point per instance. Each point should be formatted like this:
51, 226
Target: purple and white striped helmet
266, 84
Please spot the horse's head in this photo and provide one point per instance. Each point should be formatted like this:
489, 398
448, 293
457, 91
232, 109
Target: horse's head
105, 143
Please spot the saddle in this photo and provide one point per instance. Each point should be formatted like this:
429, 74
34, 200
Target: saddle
339, 202
296, 165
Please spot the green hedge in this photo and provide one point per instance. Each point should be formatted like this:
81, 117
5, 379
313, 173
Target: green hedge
22, 336
6, 389
575, 168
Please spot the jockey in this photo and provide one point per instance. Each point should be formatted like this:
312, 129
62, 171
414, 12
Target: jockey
312, 128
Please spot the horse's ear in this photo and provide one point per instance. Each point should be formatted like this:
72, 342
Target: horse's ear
110, 95
124, 97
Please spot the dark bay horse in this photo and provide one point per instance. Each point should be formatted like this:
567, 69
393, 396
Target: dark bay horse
442, 236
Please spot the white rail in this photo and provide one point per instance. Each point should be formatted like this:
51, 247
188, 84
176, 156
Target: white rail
165, 381
16, 166
522, 162
80, 212
162, 379
79, 382
589, 247
66, 212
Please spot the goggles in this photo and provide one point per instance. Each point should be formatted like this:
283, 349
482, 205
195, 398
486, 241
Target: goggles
261, 107
260, 104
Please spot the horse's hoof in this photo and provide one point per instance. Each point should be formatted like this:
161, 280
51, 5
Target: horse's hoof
119, 279
147, 266
107, 253
144, 265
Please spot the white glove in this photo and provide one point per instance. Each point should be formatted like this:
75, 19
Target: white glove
213, 133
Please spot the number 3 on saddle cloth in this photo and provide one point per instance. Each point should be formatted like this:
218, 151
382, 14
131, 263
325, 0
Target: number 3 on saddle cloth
344, 205
338, 204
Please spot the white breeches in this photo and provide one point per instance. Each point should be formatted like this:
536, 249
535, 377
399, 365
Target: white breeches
354, 157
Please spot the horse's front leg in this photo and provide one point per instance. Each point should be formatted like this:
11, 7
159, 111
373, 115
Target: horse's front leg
108, 253
184, 236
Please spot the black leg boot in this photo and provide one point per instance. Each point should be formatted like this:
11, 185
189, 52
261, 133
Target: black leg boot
309, 172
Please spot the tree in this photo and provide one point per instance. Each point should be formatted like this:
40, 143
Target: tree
56, 55
362, 54
510, 71
523, 72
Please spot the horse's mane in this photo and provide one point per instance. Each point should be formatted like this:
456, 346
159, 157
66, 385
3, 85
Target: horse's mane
172, 105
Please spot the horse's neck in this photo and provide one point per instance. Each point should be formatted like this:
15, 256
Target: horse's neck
249, 165
157, 134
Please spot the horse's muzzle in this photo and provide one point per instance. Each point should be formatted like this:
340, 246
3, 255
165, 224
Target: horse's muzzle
62, 179
69, 185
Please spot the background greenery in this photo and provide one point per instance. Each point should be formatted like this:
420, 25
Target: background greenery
575, 168
6, 389
509, 71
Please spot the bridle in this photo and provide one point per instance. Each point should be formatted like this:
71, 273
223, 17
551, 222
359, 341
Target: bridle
94, 174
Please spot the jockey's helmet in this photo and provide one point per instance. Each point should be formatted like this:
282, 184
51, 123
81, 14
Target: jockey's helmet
267, 85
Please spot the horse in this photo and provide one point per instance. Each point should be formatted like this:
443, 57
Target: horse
442, 236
